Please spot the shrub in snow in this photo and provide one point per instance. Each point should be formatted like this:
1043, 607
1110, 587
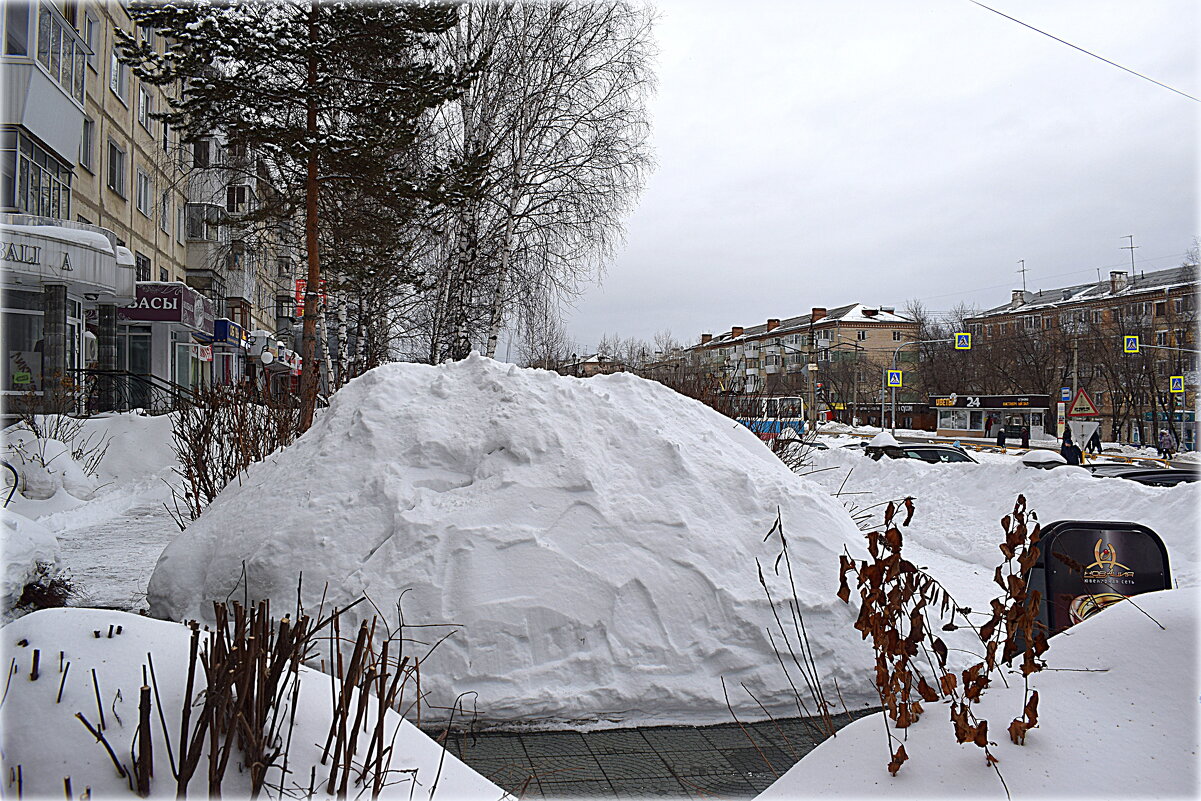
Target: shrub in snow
592, 541
47, 465
30, 554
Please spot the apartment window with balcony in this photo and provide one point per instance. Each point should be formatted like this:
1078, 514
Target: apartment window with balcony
43, 183
203, 222
61, 51
16, 29
118, 77
141, 264
239, 199
143, 193
145, 109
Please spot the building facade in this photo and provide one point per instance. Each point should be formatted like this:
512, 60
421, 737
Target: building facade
123, 251
1076, 337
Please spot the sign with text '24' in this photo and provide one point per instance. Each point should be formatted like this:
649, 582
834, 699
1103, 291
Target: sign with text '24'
894, 378
963, 341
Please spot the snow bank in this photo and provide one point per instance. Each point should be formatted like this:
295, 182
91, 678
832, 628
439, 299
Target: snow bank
46, 466
29, 550
956, 528
42, 735
594, 539
1118, 719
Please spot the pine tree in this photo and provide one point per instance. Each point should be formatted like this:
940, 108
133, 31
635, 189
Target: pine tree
332, 93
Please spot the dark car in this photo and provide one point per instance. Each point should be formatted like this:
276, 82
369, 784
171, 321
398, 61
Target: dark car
1151, 476
934, 454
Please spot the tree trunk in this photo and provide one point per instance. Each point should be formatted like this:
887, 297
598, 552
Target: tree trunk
308, 374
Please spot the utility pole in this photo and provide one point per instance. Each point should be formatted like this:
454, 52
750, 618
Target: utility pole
812, 399
1023, 272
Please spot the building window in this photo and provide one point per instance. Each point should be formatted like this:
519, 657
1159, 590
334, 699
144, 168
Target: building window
1161, 338
118, 77
61, 51
91, 37
144, 192
141, 267
988, 330
200, 153
163, 275
16, 29
179, 224
896, 336
1097, 316
860, 335
164, 213
283, 267
239, 199
116, 168
43, 183
166, 138
87, 145
203, 222
145, 108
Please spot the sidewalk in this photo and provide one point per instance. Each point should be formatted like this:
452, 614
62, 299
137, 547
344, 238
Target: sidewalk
727, 760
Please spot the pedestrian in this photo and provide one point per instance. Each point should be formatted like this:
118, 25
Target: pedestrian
1071, 453
1001, 436
1166, 444
988, 426
1025, 436
1094, 442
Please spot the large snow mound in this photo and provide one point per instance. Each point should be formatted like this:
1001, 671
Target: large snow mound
1117, 718
594, 539
77, 665
30, 552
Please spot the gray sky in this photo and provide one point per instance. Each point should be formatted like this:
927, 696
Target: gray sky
817, 153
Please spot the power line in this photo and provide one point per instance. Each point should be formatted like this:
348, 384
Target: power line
1087, 52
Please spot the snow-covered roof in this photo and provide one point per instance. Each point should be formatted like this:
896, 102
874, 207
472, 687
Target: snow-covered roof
71, 236
852, 314
1124, 286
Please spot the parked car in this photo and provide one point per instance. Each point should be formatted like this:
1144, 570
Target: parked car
934, 454
1152, 476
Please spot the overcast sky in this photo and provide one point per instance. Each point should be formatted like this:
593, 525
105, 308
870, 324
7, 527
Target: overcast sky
817, 153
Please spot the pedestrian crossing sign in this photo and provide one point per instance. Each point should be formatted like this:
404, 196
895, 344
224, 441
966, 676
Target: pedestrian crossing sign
1131, 344
963, 341
894, 378
1176, 383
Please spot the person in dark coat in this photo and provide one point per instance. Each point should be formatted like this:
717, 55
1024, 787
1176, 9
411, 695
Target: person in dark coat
1025, 436
1094, 442
1000, 435
1071, 452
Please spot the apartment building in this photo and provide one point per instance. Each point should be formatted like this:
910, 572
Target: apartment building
850, 345
122, 246
1079, 334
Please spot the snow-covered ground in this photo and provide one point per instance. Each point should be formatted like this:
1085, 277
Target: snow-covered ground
43, 736
1117, 716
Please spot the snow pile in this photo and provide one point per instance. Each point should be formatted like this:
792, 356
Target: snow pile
1117, 719
46, 466
30, 552
43, 736
956, 527
594, 539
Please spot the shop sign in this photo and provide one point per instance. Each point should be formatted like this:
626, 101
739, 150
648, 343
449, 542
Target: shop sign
227, 332
301, 286
203, 352
169, 303
1085, 566
22, 254
990, 401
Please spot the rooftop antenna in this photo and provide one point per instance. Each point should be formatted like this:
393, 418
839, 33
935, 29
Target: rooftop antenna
1023, 272
1131, 247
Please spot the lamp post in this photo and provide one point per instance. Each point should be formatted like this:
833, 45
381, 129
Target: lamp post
884, 383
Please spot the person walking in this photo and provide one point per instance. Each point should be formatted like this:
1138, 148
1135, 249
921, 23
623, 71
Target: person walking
1094, 442
1001, 435
1025, 436
1071, 453
1166, 444
988, 422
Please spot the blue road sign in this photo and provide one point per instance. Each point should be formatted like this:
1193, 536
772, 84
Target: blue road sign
963, 341
1131, 345
894, 378
1176, 383
1065, 394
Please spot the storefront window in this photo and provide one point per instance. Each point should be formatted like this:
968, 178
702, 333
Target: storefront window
22, 367
977, 421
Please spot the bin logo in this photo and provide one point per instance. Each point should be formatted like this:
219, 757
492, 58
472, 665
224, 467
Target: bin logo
894, 378
1106, 563
963, 341
1131, 344
1176, 383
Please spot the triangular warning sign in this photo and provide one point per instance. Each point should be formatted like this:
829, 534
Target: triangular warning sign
1083, 406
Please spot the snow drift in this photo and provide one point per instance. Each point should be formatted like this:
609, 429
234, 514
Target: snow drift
593, 539
30, 553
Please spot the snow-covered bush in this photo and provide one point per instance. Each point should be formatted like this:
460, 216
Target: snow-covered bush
31, 561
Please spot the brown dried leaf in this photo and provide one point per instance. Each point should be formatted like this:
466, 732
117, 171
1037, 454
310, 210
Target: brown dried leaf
981, 738
892, 539
927, 692
1017, 732
844, 592
908, 511
1031, 711
948, 682
940, 650
898, 759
